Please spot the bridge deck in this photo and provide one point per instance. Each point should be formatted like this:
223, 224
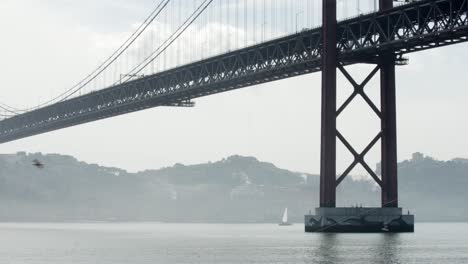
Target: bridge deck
418, 26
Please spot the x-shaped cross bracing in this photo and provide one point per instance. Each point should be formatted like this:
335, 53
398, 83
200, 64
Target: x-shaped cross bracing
359, 157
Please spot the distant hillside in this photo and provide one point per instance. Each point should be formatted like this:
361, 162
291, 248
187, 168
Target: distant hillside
436, 190
234, 170
235, 189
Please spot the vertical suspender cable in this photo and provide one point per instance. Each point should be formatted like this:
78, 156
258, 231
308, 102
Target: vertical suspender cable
255, 21
237, 24
246, 36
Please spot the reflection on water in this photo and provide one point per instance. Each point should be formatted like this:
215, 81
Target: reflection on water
386, 251
150, 243
326, 249
348, 248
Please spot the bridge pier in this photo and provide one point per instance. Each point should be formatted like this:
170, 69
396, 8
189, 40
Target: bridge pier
328, 133
328, 218
389, 127
389, 164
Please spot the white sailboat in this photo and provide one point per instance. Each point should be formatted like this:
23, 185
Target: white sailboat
284, 221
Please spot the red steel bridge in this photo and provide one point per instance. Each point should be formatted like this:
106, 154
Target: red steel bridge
380, 38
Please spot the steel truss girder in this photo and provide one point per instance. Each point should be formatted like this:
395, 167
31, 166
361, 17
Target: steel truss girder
421, 25
359, 157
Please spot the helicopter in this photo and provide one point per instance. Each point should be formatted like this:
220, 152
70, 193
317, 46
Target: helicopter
38, 164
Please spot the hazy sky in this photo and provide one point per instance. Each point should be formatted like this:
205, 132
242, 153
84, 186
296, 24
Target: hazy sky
49, 44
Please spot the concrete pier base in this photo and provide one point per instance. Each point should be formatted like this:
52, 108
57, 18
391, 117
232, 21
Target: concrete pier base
359, 220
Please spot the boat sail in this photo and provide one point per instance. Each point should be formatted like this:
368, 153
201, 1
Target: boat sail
284, 221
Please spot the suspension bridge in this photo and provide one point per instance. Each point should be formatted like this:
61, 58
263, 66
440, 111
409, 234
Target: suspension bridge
174, 56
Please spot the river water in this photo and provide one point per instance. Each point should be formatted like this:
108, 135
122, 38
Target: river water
138, 243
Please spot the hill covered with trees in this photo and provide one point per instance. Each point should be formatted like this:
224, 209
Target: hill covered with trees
234, 189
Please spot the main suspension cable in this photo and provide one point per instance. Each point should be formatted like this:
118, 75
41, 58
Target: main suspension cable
102, 67
165, 45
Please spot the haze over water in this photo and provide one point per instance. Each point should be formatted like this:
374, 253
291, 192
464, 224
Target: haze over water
141, 243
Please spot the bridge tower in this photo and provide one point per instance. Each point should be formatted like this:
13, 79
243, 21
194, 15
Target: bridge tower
389, 127
329, 218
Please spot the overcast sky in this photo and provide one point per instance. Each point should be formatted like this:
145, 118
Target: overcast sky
49, 44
